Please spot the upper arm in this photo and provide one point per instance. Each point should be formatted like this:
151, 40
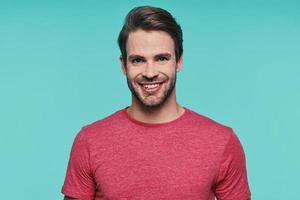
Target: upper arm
79, 182
232, 180
69, 198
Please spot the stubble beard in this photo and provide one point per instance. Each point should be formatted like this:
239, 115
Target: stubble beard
158, 104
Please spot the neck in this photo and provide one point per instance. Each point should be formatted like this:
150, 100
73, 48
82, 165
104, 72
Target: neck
168, 111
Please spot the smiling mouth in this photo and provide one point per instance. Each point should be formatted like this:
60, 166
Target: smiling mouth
151, 88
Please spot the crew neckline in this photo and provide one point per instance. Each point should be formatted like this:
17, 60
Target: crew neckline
145, 124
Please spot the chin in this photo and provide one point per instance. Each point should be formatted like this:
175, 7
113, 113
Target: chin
152, 103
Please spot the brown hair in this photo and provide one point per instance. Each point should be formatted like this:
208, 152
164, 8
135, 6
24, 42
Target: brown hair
150, 18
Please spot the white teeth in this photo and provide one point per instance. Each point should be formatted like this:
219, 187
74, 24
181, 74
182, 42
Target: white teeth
151, 86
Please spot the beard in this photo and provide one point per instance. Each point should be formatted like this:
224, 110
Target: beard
166, 94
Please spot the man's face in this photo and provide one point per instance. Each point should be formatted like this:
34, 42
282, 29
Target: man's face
151, 66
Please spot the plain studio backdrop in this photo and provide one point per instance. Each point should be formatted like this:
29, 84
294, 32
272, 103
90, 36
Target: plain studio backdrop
59, 70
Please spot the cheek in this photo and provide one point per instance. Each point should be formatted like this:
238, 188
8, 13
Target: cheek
132, 73
169, 72
132, 78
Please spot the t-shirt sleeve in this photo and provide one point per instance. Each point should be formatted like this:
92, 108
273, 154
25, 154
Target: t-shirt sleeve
79, 181
232, 183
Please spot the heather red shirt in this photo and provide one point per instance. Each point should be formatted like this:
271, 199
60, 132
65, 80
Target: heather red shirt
189, 158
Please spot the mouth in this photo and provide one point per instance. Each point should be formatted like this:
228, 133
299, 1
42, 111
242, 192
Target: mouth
151, 87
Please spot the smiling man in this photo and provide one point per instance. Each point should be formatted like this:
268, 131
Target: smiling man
155, 148
150, 68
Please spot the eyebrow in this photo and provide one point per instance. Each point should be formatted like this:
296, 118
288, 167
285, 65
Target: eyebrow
167, 55
134, 56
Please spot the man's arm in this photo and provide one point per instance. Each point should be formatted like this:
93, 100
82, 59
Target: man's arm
79, 182
69, 198
232, 180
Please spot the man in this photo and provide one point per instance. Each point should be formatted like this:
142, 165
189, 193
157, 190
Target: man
155, 148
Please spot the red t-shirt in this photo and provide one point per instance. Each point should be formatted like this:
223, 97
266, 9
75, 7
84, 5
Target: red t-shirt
189, 158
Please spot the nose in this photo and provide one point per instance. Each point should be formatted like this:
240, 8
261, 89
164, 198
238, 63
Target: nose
150, 71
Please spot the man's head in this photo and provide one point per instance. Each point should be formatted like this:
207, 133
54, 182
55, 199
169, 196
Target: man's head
151, 47
150, 18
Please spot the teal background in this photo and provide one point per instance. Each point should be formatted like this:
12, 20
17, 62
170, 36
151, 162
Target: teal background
59, 70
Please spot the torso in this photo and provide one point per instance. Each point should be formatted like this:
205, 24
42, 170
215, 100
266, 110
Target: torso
175, 160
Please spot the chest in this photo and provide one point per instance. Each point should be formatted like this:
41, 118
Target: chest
148, 167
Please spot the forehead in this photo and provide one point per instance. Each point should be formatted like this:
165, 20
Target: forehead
149, 43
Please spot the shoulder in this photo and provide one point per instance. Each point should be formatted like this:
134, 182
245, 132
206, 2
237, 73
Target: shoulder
107, 121
105, 124
211, 128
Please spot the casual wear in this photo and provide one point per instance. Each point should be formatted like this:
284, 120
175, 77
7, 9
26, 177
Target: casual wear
189, 158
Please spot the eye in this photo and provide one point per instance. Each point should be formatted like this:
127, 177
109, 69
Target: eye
137, 60
163, 58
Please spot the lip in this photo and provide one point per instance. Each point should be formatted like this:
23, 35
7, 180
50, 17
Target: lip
150, 83
151, 90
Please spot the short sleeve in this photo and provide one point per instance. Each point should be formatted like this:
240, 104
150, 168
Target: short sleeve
232, 183
79, 181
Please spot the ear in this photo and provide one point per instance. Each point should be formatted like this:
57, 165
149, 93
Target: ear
179, 64
123, 65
